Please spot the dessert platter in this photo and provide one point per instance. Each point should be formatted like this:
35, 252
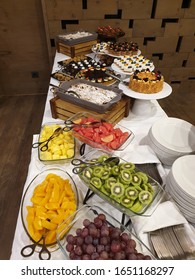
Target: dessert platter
86, 68
116, 49
128, 64
108, 33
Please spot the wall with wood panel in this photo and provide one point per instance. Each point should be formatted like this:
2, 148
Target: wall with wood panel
163, 29
24, 64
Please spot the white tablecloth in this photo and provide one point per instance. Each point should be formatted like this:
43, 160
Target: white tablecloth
137, 151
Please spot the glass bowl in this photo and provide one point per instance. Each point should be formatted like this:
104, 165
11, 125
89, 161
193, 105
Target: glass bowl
105, 136
110, 241
102, 185
60, 149
49, 198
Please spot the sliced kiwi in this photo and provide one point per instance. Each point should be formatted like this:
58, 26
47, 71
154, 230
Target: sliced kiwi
117, 189
102, 158
136, 180
115, 170
143, 176
147, 187
125, 201
98, 171
125, 176
128, 165
87, 173
145, 197
110, 182
104, 190
96, 182
132, 193
105, 175
115, 198
137, 206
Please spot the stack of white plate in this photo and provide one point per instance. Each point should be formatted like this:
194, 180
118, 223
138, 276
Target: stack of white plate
180, 185
171, 138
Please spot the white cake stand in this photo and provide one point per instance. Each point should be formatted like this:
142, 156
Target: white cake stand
143, 105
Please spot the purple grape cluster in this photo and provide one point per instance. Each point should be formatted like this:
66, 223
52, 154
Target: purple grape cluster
98, 240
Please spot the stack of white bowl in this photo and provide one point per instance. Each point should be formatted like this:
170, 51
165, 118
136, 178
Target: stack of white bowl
180, 185
171, 138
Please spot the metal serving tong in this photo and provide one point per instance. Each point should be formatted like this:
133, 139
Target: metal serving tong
29, 250
70, 92
117, 78
81, 165
68, 126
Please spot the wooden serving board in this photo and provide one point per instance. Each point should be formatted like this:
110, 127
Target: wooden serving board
63, 110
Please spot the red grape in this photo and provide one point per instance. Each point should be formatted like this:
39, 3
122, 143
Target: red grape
97, 240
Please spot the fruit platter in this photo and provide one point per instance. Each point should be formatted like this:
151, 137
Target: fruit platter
54, 144
100, 134
93, 234
49, 199
119, 183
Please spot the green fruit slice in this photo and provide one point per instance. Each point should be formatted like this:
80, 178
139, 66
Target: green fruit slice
110, 182
137, 206
143, 176
131, 193
128, 165
96, 182
125, 176
117, 189
115, 170
125, 201
102, 158
87, 173
145, 197
136, 180
105, 175
98, 171
115, 198
104, 190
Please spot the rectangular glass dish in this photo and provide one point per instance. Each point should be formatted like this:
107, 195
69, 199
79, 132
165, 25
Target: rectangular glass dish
140, 202
117, 243
105, 136
60, 149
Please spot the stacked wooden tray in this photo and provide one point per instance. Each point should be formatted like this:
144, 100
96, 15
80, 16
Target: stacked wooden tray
77, 49
63, 110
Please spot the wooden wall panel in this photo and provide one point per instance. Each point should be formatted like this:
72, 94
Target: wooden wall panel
23, 48
163, 29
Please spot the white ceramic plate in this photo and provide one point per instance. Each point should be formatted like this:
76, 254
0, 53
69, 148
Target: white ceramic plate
183, 172
166, 91
174, 134
180, 192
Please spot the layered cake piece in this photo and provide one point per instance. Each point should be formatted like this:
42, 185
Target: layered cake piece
146, 81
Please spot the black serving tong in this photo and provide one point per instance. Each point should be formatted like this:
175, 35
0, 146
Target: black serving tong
68, 125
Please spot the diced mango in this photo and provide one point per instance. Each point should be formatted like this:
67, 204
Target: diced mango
53, 201
48, 225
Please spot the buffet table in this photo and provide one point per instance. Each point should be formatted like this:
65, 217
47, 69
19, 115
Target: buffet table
137, 152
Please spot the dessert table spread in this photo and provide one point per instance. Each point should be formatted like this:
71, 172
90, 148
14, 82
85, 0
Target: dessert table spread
137, 151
